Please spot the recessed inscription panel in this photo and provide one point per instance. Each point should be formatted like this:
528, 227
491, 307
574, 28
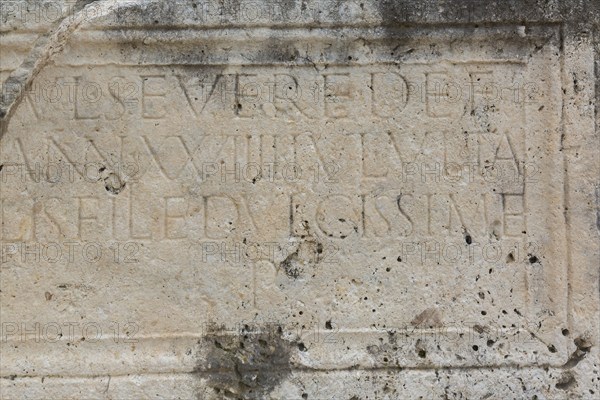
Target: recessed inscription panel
346, 202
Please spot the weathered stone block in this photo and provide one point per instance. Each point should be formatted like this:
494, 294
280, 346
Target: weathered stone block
308, 200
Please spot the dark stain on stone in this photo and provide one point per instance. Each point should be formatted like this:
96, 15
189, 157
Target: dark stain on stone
392, 11
479, 328
291, 265
80, 4
245, 365
566, 381
113, 184
431, 318
583, 347
473, 12
576, 86
598, 188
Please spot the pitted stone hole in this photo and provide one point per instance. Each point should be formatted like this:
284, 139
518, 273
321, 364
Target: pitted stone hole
518, 312
422, 353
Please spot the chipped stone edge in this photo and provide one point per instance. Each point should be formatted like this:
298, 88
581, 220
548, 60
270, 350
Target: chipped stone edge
45, 47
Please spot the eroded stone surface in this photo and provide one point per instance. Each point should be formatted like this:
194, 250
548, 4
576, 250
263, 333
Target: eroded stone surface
302, 200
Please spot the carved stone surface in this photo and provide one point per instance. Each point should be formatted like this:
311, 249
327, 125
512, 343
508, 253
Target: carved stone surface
299, 199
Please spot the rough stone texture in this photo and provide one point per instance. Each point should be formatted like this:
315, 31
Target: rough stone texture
299, 200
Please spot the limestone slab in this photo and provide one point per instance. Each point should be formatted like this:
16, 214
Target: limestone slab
301, 200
